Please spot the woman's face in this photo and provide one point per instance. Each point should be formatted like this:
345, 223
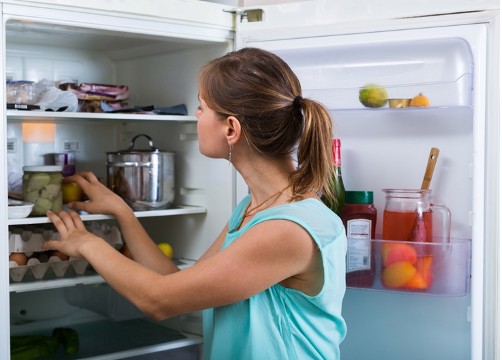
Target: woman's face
212, 142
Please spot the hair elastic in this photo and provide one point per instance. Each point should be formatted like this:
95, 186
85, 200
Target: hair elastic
296, 102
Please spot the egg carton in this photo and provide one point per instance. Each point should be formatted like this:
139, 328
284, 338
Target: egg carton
28, 240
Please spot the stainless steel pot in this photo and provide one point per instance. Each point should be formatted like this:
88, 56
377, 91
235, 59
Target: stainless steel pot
143, 178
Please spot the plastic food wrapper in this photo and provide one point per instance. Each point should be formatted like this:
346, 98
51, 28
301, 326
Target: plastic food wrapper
55, 99
23, 92
100, 106
156, 110
89, 91
42, 95
27, 240
15, 184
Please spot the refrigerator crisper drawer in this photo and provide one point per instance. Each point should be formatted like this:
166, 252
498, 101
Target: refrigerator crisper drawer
441, 269
133, 339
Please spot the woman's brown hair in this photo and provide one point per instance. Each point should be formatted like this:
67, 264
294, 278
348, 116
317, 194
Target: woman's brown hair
259, 89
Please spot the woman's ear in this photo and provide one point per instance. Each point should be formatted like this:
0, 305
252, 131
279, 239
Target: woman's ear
232, 130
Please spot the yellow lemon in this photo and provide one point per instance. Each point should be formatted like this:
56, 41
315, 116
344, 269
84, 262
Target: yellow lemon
166, 249
72, 192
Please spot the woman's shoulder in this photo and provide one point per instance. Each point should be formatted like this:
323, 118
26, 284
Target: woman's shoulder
311, 214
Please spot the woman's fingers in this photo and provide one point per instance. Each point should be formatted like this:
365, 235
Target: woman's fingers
67, 220
58, 223
51, 245
79, 224
89, 176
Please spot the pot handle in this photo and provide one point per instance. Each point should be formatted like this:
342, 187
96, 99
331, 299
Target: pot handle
150, 142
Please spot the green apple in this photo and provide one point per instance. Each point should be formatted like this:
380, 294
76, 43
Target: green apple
373, 95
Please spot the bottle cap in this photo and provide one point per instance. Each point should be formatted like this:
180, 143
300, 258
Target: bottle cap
359, 197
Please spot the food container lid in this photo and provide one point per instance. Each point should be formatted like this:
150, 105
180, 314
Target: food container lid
43, 168
359, 197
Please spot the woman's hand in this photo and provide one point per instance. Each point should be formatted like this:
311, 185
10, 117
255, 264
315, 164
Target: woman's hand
72, 232
101, 199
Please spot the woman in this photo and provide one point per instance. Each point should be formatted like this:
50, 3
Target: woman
274, 279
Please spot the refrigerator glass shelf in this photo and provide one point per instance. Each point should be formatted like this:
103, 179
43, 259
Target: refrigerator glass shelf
182, 210
51, 281
118, 340
27, 116
421, 268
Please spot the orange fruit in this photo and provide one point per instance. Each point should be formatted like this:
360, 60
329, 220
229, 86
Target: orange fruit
398, 274
419, 100
398, 252
416, 282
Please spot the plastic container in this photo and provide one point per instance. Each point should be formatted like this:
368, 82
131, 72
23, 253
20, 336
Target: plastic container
42, 187
19, 209
359, 217
27, 240
22, 92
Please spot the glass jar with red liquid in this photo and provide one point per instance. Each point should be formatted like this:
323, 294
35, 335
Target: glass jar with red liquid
359, 217
407, 256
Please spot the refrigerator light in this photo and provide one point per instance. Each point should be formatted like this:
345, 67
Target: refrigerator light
38, 133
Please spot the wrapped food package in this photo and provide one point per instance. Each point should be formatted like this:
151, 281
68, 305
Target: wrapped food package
89, 91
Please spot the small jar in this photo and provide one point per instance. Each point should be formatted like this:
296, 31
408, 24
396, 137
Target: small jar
42, 186
359, 217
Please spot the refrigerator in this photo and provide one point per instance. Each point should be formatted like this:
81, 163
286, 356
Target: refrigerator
446, 50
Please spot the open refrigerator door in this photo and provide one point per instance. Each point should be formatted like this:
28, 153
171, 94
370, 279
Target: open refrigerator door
449, 59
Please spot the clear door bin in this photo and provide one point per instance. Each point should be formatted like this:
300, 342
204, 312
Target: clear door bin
419, 267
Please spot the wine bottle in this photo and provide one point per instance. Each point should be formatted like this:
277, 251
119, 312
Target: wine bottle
336, 184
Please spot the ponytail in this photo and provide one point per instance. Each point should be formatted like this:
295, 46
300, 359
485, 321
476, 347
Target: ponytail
315, 160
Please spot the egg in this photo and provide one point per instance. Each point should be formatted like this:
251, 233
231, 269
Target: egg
19, 258
59, 254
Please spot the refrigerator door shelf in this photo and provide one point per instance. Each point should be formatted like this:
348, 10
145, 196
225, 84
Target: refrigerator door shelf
418, 268
455, 94
440, 69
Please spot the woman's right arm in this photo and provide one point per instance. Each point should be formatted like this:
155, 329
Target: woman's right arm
217, 244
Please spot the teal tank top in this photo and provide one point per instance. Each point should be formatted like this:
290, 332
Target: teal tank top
283, 323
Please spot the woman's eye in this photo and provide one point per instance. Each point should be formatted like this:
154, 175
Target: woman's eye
198, 108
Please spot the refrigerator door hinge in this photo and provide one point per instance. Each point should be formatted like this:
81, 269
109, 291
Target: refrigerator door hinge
247, 15
239, 12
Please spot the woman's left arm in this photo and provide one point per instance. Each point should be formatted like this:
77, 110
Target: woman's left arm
265, 255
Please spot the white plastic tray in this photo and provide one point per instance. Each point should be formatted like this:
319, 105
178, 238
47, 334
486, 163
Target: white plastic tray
28, 241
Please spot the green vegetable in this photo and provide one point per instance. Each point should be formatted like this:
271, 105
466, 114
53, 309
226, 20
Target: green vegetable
69, 338
32, 347
17, 341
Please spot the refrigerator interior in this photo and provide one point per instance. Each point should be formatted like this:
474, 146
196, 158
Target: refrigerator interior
388, 148
160, 71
